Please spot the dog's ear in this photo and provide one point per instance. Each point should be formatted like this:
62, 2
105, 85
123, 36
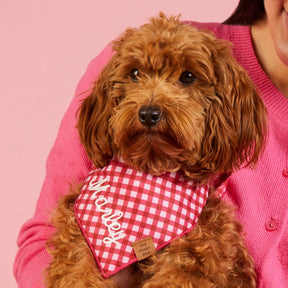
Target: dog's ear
94, 115
236, 117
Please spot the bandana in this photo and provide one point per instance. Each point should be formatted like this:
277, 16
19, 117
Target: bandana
127, 215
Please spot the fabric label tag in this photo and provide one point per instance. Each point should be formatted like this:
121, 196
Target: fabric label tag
144, 248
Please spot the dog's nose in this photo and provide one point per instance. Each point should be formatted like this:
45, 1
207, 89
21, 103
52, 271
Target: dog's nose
149, 115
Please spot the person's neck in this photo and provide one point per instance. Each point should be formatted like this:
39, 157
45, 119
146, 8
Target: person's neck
267, 56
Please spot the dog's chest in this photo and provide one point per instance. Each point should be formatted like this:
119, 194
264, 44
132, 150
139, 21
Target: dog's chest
126, 215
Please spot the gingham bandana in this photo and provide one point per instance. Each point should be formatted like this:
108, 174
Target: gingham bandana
119, 205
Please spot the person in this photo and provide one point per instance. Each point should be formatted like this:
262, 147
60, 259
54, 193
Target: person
258, 30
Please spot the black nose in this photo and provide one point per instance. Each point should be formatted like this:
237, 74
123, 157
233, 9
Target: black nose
149, 115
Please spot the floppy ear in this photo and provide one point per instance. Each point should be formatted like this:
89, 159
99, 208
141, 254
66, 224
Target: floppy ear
236, 117
94, 114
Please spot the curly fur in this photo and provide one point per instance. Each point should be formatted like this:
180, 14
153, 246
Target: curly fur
209, 126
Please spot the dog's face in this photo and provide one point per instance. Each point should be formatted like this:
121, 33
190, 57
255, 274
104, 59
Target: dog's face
173, 98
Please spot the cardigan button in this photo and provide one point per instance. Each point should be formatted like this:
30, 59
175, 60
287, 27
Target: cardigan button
271, 225
285, 173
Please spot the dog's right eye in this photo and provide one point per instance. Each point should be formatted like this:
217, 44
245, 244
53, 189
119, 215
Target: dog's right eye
134, 74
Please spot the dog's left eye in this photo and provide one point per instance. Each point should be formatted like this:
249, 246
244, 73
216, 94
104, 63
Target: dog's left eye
187, 78
134, 74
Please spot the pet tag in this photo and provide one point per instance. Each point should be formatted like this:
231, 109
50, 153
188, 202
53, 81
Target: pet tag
123, 213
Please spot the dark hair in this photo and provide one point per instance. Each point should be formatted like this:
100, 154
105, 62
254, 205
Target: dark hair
247, 12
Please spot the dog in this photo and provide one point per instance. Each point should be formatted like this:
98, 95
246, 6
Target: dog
172, 99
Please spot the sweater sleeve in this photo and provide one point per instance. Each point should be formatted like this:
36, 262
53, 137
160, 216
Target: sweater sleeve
67, 164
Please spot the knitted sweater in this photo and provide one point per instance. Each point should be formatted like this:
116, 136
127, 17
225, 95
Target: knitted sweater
260, 194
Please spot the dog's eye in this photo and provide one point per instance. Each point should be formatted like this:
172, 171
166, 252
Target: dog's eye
187, 78
134, 74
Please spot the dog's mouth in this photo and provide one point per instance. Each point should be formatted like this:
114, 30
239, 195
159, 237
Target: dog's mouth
152, 150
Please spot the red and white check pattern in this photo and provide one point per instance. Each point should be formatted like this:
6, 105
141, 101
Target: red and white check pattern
118, 206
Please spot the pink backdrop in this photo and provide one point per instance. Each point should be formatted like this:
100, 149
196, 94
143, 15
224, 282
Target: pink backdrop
45, 48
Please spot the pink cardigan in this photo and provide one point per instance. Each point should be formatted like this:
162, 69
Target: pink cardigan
260, 195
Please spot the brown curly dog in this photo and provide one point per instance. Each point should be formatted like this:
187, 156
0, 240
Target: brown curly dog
170, 99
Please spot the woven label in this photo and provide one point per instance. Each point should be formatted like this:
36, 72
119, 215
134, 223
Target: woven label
118, 206
144, 248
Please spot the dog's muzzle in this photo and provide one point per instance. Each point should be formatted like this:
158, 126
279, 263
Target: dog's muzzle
149, 115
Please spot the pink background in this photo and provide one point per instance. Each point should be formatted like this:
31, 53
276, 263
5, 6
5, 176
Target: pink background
45, 48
